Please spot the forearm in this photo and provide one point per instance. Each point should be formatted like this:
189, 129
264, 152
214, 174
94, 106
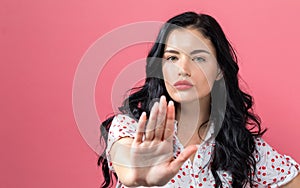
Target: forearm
295, 183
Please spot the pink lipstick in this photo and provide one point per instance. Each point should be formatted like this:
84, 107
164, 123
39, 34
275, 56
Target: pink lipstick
183, 85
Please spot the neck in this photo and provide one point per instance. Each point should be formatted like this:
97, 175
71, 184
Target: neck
191, 116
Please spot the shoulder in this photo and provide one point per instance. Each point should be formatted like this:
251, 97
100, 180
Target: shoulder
123, 121
122, 125
124, 118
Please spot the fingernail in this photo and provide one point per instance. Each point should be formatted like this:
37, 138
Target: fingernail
143, 115
171, 103
155, 105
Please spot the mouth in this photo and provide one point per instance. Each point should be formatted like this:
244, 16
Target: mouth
183, 85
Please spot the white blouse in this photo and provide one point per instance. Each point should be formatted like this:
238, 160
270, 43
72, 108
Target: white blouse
273, 169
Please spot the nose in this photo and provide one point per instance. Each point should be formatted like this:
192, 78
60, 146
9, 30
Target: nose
184, 66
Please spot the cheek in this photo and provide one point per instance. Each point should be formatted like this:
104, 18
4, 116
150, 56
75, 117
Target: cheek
205, 77
170, 77
211, 79
169, 73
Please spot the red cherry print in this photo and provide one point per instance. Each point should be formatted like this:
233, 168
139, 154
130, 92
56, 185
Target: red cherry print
273, 166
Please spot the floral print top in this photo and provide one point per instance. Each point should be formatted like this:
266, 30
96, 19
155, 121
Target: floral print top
273, 169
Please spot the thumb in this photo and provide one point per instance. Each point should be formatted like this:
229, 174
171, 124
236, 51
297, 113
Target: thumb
183, 156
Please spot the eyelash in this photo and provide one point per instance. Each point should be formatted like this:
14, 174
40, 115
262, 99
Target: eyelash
202, 59
171, 59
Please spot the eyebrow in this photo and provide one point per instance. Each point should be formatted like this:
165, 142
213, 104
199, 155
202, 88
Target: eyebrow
192, 53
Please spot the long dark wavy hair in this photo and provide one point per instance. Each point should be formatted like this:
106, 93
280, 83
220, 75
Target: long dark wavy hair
234, 144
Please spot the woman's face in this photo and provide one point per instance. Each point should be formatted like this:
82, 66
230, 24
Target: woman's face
189, 65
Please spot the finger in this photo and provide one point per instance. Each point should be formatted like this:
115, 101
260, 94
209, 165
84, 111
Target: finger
161, 119
141, 128
183, 156
169, 128
151, 123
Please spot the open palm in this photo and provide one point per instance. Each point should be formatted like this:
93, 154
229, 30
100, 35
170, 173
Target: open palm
150, 160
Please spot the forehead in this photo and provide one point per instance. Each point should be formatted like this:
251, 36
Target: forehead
187, 40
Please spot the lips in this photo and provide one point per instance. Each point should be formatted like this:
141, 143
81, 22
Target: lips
183, 85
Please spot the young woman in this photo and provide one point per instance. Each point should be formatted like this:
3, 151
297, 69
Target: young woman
190, 124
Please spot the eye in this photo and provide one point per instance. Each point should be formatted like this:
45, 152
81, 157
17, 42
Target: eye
198, 59
171, 59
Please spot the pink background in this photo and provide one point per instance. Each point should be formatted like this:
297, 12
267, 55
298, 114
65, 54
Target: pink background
42, 42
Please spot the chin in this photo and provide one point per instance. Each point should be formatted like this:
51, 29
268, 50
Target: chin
183, 98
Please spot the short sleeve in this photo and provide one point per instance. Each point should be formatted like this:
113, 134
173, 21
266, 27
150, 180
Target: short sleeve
121, 126
273, 169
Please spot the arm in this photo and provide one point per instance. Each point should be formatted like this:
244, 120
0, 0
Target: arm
295, 183
147, 159
275, 169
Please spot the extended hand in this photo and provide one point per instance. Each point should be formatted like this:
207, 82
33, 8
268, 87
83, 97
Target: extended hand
150, 155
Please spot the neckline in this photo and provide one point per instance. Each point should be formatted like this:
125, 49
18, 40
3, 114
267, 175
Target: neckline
209, 135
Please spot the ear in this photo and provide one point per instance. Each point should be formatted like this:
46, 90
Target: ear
219, 75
